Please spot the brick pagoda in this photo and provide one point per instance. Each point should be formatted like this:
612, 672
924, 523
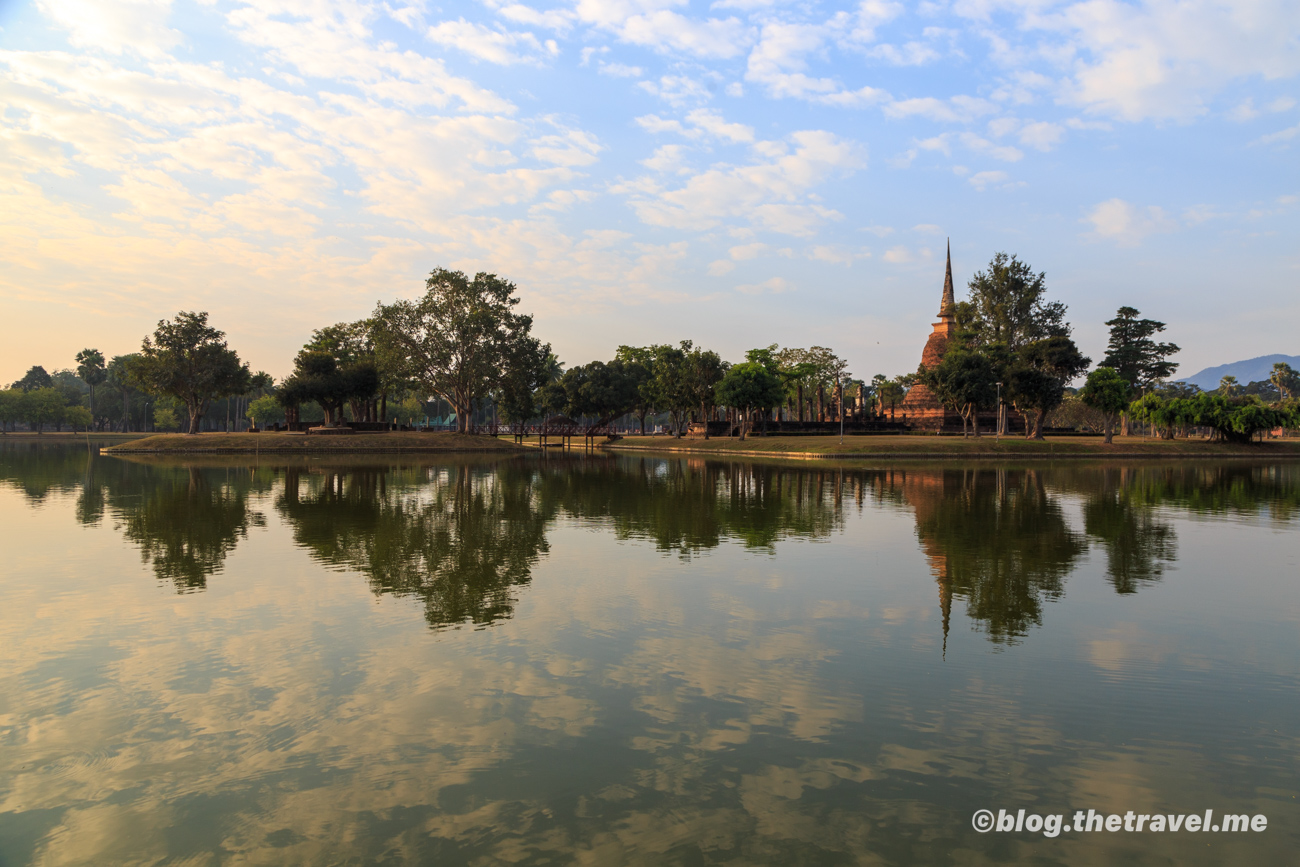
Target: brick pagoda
921, 409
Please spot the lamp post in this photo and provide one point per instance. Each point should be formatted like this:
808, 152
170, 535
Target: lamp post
997, 437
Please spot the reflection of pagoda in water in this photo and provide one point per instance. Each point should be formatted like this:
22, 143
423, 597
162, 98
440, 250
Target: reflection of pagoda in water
995, 538
925, 492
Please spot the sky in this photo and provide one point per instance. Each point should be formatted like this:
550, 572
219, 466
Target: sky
737, 173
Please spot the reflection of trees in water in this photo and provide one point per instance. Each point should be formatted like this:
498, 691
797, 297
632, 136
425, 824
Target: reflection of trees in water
690, 506
460, 538
995, 538
1137, 543
187, 522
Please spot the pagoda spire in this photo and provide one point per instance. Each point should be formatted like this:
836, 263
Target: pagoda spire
949, 302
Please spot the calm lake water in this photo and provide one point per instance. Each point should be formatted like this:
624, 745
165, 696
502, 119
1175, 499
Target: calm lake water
602, 660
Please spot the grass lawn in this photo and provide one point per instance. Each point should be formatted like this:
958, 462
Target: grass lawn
241, 443
957, 447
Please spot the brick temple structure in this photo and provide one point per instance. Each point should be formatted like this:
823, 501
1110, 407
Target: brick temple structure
921, 409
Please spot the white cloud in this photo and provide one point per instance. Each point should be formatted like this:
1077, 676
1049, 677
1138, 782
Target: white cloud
770, 286
700, 123
898, 255
745, 252
1041, 135
667, 158
719, 267
495, 46
981, 180
770, 193
677, 90
1125, 223
620, 70
115, 25
712, 123
956, 109
837, 255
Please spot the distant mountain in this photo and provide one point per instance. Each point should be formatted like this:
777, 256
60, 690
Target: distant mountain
1251, 370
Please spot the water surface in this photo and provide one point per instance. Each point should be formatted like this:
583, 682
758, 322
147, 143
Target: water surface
638, 660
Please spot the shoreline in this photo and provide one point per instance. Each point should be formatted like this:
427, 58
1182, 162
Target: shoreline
891, 448
290, 444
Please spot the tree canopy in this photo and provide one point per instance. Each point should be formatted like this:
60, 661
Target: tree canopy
1133, 354
189, 360
458, 340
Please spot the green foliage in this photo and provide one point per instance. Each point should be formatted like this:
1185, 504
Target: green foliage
35, 378
1235, 419
1006, 306
964, 381
317, 375
164, 419
750, 386
264, 409
1133, 354
1038, 374
598, 390
1107, 392
1285, 379
459, 341
189, 360
1228, 386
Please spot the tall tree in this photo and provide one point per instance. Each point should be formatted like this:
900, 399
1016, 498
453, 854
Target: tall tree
1285, 378
1038, 377
457, 340
36, 377
1007, 306
1228, 386
121, 377
1133, 354
639, 361
189, 360
749, 386
91, 369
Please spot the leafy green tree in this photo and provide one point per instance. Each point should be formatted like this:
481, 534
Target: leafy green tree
122, 377
164, 418
1228, 386
1006, 306
749, 386
11, 408
1108, 393
264, 409
702, 370
669, 383
599, 391
964, 381
639, 362
519, 392
1286, 379
318, 376
1133, 354
91, 369
42, 406
35, 378
458, 340
189, 360
1038, 376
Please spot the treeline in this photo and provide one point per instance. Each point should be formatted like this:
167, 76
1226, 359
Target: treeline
464, 345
